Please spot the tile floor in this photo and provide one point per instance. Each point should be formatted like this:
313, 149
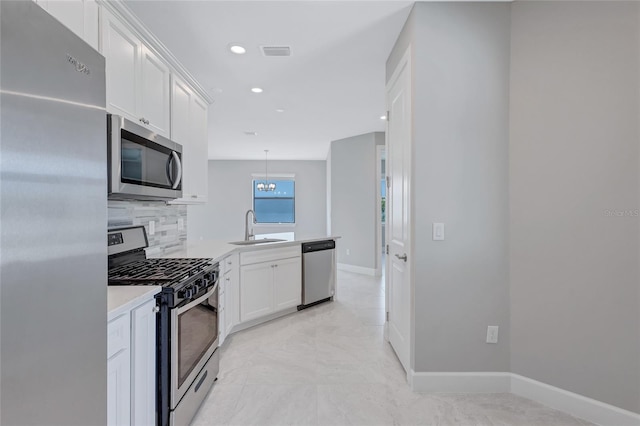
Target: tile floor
330, 365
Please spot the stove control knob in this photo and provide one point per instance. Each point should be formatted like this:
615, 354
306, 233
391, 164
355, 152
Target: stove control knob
186, 293
199, 285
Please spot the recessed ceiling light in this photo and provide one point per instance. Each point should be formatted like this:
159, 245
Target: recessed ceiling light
383, 117
237, 49
279, 110
256, 90
251, 133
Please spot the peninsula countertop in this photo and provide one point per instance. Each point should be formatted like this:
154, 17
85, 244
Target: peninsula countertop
217, 249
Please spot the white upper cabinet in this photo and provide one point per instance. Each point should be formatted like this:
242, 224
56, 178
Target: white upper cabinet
181, 99
121, 48
154, 98
199, 182
137, 80
189, 128
80, 16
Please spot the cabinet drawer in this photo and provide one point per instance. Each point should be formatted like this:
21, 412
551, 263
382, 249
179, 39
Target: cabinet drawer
118, 334
258, 256
228, 263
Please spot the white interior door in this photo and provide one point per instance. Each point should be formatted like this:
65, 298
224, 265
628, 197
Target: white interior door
398, 217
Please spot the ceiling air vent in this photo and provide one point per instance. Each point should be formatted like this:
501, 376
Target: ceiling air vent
276, 50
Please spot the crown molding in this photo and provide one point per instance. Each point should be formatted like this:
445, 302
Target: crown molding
122, 11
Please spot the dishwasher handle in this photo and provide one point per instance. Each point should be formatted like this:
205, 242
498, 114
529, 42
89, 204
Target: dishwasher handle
318, 246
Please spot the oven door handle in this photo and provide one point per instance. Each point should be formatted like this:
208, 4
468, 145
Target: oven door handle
198, 301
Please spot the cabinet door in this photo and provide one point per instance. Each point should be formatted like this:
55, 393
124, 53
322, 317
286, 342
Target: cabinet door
143, 368
256, 290
287, 283
229, 303
181, 97
199, 149
70, 13
121, 48
232, 277
154, 96
118, 387
222, 331
80, 16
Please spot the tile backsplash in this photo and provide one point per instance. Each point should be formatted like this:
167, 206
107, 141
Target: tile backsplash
170, 232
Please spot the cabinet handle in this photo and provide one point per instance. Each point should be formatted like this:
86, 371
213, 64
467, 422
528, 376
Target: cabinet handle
144, 121
194, 196
228, 279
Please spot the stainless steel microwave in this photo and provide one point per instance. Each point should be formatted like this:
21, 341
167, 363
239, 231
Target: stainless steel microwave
142, 164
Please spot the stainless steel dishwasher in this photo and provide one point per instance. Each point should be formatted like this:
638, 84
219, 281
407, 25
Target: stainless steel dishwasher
318, 272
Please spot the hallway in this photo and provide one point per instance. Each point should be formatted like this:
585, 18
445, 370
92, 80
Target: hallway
330, 365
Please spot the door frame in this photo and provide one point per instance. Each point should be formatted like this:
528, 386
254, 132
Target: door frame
380, 153
405, 62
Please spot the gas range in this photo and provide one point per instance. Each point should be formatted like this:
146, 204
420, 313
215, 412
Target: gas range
187, 322
181, 279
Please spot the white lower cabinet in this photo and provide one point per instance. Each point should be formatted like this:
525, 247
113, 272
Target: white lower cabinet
287, 283
228, 296
270, 281
143, 364
256, 290
119, 371
131, 367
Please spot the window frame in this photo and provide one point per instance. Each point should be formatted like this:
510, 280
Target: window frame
272, 177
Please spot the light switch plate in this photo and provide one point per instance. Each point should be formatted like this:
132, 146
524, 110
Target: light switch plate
438, 231
152, 227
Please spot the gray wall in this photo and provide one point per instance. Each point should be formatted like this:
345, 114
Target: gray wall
222, 218
573, 156
460, 169
353, 198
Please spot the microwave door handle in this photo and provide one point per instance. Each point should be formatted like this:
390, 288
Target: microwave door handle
169, 169
176, 183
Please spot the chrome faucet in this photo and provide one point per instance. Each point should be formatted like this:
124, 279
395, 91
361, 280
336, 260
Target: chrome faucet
249, 236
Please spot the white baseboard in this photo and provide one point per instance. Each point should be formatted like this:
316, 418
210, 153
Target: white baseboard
493, 382
357, 269
474, 382
572, 403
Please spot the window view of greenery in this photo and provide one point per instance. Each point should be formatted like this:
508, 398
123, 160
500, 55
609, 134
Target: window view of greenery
275, 206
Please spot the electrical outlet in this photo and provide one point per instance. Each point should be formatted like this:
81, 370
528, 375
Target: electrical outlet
492, 334
180, 224
348, 252
152, 227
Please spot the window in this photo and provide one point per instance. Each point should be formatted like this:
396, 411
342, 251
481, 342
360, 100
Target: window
277, 206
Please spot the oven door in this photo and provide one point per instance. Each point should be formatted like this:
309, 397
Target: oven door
142, 164
194, 338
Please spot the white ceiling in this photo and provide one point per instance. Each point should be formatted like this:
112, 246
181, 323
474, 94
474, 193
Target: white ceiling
331, 87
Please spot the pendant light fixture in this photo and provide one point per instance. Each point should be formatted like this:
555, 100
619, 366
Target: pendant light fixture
266, 186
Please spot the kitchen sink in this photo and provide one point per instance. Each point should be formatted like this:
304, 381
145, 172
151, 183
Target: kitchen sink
254, 242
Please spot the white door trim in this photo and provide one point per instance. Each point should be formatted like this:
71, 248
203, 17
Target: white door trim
408, 363
380, 149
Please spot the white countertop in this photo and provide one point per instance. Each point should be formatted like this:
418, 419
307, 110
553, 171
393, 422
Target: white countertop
122, 298
216, 250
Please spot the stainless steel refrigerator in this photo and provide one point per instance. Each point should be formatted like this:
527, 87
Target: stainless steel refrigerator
53, 207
